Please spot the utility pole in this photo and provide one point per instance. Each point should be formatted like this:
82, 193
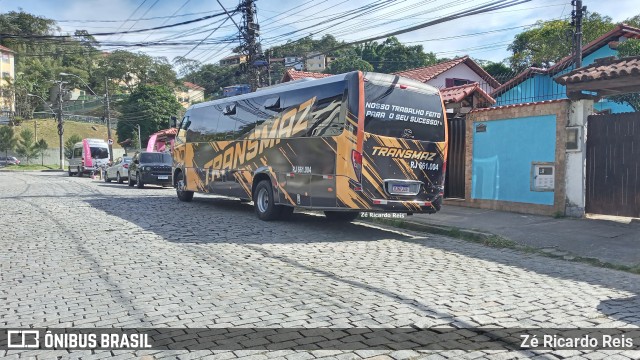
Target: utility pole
60, 125
35, 129
107, 116
576, 21
250, 32
139, 137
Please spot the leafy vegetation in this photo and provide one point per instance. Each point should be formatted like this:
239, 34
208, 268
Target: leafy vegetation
8, 141
151, 107
26, 147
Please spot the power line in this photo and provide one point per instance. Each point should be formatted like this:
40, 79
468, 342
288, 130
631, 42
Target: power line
16, 36
145, 13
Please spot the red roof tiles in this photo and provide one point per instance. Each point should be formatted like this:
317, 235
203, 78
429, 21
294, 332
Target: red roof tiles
2, 48
427, 73
606, 68
458, 93
193, 86
292, 74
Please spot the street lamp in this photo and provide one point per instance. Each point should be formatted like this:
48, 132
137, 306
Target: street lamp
85, 84
107, 111
44, 101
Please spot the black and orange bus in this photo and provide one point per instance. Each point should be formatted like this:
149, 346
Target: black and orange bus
342, 144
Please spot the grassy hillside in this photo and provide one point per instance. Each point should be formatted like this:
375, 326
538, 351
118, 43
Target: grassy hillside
48, 129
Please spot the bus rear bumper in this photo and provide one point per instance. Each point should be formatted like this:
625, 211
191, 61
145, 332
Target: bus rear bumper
419, 206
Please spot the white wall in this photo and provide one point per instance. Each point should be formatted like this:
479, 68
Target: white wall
576, 160
460, 71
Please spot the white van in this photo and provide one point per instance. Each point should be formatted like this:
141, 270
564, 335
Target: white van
99, 156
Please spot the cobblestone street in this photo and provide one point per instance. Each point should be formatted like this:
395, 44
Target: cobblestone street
82, 253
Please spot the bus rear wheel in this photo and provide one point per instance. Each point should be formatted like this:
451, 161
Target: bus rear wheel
264, 202
345, 216
183, 195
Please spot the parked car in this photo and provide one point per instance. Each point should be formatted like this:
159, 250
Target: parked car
8, 160
119, 171
150, 168
97, 151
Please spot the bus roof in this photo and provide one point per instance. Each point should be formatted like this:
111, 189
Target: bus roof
294, 85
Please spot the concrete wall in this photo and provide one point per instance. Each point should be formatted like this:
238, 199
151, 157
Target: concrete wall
517, 135
52, 156
576, 159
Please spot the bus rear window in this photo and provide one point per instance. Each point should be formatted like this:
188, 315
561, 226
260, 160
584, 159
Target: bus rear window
99, 152
403, 113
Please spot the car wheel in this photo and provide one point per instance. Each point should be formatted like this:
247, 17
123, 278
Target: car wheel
139, 182
106, 177
343, 216
183, 195
80, 174
118, 178
70, 173
130, 181
264, 202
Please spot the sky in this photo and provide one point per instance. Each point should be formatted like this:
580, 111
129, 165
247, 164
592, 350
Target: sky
484, 36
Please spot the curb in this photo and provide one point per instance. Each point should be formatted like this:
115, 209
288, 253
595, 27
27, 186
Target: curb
497, 241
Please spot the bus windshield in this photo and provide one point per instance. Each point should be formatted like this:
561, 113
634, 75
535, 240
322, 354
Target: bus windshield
403, 113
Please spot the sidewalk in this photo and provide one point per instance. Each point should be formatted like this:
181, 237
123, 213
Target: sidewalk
608, 241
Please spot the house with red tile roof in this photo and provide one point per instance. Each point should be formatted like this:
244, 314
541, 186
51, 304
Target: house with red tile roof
537, 84
189, 93
455, 72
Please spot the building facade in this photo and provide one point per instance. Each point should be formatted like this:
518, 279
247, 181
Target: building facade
7, 72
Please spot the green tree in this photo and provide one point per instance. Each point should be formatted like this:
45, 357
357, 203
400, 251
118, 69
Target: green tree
549, 41
133, 69
348, 63
69, 143
8, 141
26, 147
41, 146
37, 62
392, 56
499, 71
149, 106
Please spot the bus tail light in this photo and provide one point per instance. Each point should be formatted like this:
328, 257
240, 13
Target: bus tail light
356, 160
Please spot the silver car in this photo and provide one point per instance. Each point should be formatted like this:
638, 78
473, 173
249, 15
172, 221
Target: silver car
119, 171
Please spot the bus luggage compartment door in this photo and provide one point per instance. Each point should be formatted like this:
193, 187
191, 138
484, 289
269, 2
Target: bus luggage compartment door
296, 189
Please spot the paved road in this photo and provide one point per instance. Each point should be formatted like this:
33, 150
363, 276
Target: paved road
81, 253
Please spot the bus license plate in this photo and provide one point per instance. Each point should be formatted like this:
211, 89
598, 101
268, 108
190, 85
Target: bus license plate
163, 177
400, 188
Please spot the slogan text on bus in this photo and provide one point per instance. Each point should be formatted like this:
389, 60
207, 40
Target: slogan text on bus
402, 113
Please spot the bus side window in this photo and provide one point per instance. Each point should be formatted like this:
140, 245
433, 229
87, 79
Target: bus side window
202, 123
328, 115
226, 129
247, 117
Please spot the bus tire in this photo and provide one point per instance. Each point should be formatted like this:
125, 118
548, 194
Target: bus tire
183, 195
264, 202
344, 216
